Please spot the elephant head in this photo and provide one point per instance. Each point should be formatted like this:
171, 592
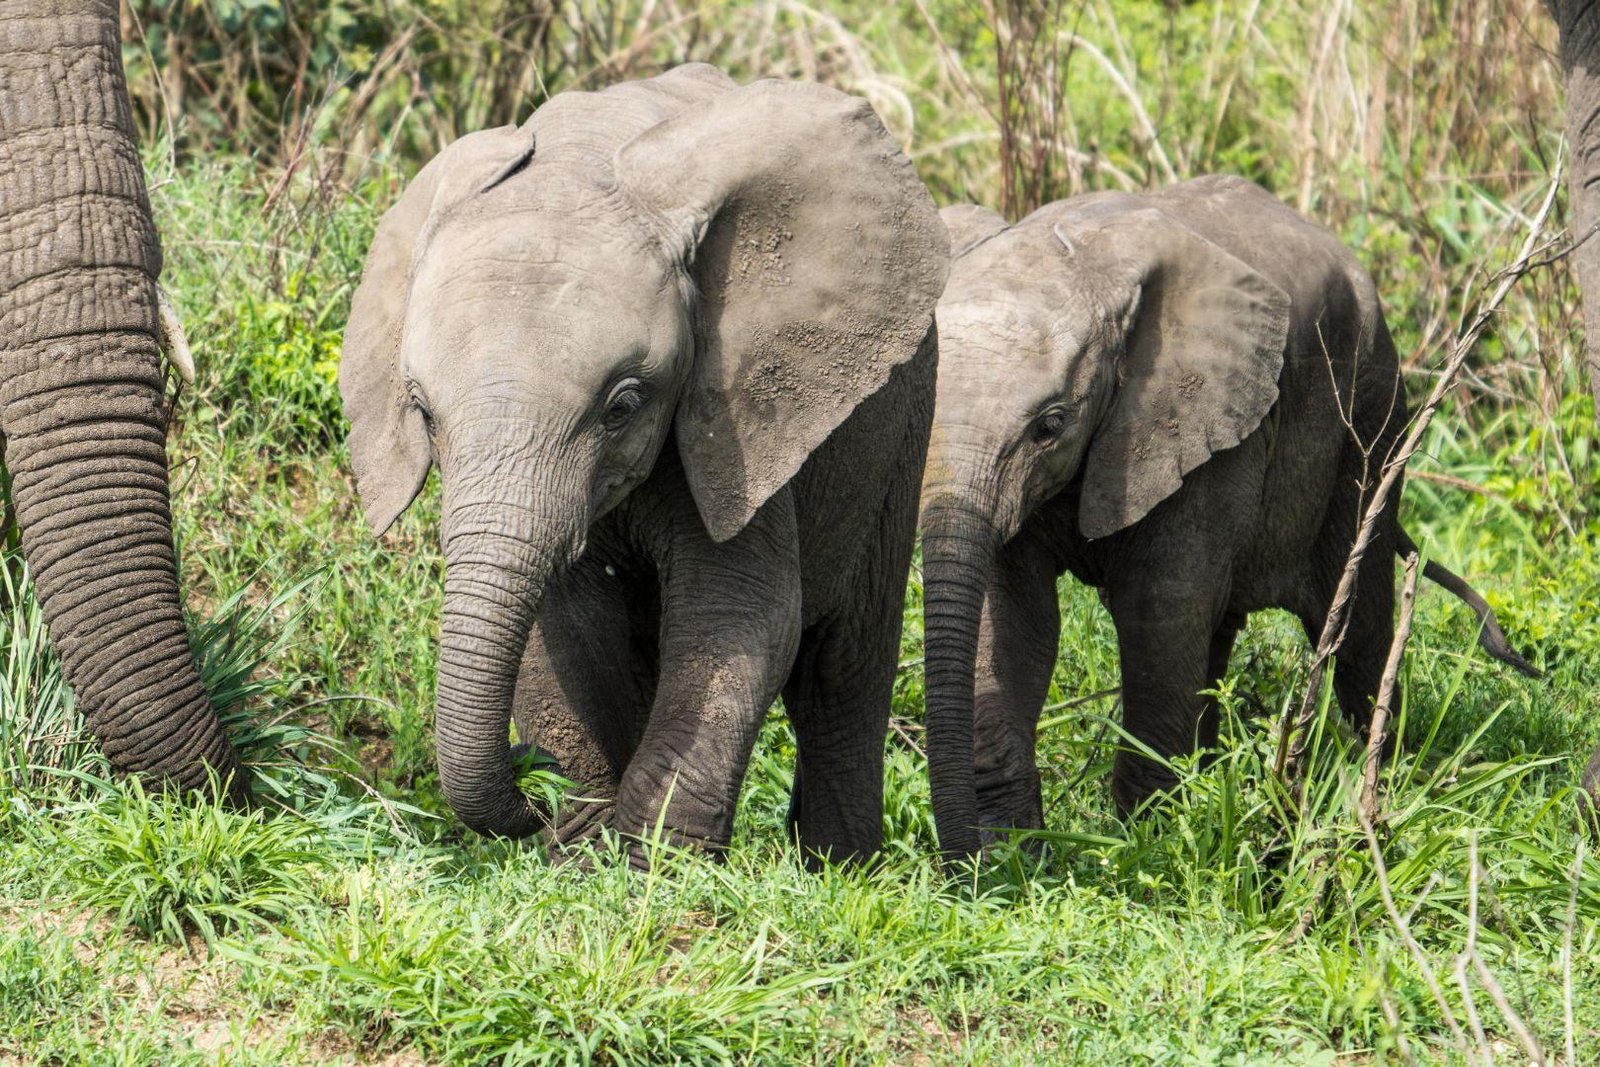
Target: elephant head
672, 263
81, 384
1098, 344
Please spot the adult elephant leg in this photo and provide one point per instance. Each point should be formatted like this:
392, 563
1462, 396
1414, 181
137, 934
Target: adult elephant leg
80, 392
1222, 640
1017, 644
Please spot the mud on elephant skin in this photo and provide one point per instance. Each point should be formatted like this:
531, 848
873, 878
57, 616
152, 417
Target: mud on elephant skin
1150, 392
671, 347
81, 383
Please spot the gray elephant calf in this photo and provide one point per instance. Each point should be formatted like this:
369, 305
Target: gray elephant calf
1179, 398
671, 347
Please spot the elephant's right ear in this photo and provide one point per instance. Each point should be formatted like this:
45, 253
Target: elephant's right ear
389, 446
970, 225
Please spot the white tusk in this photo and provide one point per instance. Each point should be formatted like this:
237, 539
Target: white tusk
173, 340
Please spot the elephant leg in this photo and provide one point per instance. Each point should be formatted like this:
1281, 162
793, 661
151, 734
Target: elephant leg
1361, 653
730, 626
1018, 637
1167, 615
838, 698
1216, 668
587, 679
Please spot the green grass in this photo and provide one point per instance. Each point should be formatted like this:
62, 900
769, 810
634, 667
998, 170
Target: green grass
352, 919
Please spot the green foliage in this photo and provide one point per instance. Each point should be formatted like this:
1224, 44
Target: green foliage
165, 866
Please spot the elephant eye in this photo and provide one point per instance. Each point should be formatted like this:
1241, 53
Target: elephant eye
626, 398
1049, 426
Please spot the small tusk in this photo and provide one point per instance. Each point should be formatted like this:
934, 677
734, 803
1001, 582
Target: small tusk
173, 340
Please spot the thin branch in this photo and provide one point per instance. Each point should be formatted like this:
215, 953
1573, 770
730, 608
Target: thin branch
1491, 985
1128, 92
1386, 690
1469, 951
1566, 956
1404, 930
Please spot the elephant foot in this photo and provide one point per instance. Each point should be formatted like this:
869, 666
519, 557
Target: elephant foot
590, 831
1008, 805
1589, 791
1136, 780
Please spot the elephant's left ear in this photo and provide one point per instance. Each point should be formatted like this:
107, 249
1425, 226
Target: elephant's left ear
1200, 364
818, 258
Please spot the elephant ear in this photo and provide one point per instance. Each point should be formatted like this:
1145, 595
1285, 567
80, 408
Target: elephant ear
389, 446
1199, 371
817, 257
970, 225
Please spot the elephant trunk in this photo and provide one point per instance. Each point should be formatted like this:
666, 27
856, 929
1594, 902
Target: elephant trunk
1579, 24
501, 548
81, 388
959, 541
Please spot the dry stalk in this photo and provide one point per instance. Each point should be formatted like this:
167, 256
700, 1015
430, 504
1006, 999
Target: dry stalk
1292, 732
1470, 950
1404, 930
1566, 956
1386, 690
1147, 129
1471, 957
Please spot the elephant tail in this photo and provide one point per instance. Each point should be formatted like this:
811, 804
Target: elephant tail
1490, 636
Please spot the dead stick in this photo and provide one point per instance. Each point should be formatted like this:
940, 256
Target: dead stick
1566, 955
1486, 978
1404, 930
1467, 1001
1386, 690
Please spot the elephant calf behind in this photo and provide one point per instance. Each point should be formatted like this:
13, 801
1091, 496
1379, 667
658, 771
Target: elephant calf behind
1185, 400
671, 347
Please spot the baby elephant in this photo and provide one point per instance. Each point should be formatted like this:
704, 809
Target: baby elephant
1179, 398
671, 348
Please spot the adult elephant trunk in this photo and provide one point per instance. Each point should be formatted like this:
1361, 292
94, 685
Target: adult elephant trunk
1579, 24
503, 540
959, 541
80, 392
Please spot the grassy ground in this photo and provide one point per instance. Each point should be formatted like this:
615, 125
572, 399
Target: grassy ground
360, 923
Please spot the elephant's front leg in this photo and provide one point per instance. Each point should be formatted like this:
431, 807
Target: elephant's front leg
1017, 641
730, 624
588, 678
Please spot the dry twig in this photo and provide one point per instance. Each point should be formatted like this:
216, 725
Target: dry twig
1386, 690
1404, 930
1566, 956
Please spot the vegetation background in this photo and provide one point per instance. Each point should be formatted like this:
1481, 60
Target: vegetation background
353, 919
